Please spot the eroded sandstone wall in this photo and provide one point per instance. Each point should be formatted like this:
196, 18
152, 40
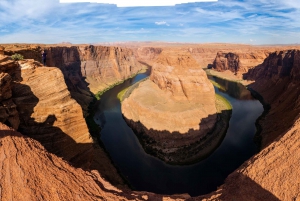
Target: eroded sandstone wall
87, 69
9, 71
29, 172
238, 63
36, 101
103, 66
277, 80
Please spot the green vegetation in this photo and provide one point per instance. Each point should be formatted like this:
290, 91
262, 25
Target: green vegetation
100, 93
225, 102
17, 57
121, 94
217, 85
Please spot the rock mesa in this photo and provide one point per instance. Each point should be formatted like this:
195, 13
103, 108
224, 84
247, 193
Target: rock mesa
175, 106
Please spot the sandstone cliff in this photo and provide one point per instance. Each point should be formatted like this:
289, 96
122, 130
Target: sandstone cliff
9, 71
176, 106
272, 174
86, 68
277, 80
238, 63
35, 100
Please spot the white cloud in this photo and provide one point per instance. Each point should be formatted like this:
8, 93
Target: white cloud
135, 3
162, 23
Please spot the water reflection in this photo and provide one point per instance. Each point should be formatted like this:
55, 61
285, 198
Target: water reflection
234, 89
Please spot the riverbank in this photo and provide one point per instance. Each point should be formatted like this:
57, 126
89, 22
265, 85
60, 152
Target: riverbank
99, 93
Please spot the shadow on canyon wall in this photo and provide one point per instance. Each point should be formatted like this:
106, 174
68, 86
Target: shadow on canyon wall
51, 137
188, 148
67, 59
80, 155
240, 187
276, 83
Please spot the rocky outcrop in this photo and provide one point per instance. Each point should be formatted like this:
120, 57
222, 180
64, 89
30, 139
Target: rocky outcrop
277, 80
238, 63
176, 106
29, 172
36, 101
8, 74
49, 114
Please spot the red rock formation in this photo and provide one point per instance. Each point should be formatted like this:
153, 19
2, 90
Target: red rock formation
8, 110
49, 114
276, 79
29, 172
272, 174
238, 63
105, 66
85, 68
176, 106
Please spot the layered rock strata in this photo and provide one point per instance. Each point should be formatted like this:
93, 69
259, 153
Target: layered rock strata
175, 107
86, 68
35, 100
29, 172
238, 63
277, 80
49, 114
8, 74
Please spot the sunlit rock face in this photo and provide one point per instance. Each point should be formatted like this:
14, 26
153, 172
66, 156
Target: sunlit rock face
176, 106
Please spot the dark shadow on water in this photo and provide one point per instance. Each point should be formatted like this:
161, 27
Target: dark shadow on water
183, 148
234, 89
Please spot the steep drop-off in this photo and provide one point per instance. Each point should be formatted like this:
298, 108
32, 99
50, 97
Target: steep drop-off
36, 101
175, 107
29, 172
87, 69
9, 71
277, 80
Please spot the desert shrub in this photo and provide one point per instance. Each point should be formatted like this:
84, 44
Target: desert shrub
17, 57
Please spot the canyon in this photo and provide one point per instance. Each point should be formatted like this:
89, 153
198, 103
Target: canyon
38, 111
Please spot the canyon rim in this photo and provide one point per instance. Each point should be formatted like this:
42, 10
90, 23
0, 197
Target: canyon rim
48, 153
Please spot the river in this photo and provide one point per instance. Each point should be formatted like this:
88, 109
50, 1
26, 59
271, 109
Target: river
147, 173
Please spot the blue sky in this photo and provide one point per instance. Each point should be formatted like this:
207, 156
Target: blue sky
228, 21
